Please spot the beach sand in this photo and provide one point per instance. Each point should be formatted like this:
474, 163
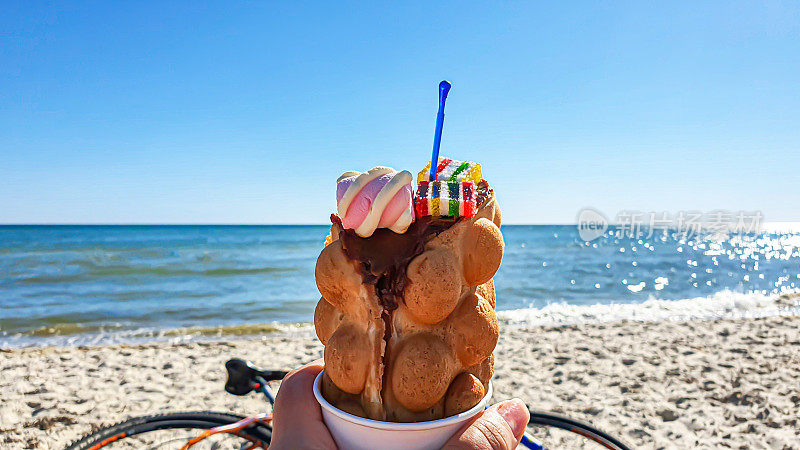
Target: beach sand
697, 384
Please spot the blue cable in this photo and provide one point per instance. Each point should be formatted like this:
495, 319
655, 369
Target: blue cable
264, 388
527, 442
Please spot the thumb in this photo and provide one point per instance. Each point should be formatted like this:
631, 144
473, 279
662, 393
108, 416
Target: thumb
499, 428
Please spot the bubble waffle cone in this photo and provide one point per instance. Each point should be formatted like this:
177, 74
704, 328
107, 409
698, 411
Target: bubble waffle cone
408, 321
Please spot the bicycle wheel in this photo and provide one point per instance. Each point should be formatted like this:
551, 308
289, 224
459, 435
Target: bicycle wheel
580, 434
172, 431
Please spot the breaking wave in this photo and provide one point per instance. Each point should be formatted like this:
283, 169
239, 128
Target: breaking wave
724, 304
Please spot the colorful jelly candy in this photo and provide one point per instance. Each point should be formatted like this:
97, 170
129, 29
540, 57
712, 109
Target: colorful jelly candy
445, 198
452, 170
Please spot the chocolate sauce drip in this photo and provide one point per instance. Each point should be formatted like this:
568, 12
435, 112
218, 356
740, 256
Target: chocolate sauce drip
385, 255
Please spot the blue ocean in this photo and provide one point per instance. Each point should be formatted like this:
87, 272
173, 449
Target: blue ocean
78, 285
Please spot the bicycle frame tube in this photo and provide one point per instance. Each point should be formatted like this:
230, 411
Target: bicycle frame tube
231, 428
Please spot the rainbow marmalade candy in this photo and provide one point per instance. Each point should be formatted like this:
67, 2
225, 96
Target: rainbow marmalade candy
452, 170
445, 198
452, 194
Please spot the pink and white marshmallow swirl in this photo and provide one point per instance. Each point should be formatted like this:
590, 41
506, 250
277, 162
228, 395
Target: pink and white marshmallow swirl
378, 198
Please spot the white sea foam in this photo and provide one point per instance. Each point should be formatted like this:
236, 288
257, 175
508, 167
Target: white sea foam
723, 304
143, 335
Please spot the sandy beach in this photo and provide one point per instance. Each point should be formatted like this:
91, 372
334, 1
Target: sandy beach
696, 384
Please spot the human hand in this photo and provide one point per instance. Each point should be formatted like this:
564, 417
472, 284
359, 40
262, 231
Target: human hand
498, 428
297, 421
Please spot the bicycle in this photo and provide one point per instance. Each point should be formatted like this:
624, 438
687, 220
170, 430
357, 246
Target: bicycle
216, 430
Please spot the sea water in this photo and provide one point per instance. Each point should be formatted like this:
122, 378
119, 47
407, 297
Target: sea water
94, 284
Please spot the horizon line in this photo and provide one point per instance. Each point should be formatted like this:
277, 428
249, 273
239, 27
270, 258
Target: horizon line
189, 224
212, 224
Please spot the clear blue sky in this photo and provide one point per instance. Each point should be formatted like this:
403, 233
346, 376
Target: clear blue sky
173, 112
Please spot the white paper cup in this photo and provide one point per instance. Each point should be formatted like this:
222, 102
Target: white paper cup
358, 433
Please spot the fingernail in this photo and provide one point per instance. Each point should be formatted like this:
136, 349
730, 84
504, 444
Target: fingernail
515, 414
